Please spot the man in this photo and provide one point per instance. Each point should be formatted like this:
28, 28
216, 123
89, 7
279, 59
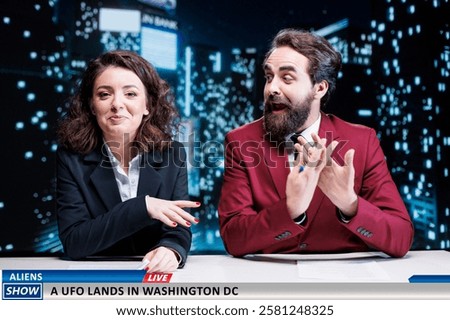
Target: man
337, 195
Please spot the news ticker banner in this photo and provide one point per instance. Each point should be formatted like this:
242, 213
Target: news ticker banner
137, 284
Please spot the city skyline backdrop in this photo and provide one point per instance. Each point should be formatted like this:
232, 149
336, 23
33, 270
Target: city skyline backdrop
395, 75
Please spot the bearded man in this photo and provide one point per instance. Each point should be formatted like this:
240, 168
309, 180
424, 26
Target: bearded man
298, 180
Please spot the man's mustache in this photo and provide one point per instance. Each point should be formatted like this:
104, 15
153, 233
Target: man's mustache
272, 100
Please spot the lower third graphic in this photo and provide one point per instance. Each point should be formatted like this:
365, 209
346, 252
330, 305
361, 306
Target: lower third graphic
22, 291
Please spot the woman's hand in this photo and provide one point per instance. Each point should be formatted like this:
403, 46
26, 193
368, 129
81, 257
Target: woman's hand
161, 259
170, 212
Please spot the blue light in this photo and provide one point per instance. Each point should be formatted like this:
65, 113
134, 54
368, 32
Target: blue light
365, 113
405, 147
31, 97
21, 84
391, 15
28, 155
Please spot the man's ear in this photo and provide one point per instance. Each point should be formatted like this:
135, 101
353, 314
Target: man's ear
321, 89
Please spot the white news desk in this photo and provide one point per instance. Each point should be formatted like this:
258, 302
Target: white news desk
269, 268
279, 277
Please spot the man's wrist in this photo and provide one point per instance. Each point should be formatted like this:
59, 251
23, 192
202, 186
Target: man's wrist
343, 217
301, 219
350, 208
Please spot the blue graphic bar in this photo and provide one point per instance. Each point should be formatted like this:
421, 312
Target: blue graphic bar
434, 278
73, 276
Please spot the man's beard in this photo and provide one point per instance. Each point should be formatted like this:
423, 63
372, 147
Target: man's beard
278, 126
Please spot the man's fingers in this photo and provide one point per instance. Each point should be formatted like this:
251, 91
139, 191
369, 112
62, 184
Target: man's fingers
349, 157
330, 150
302, 140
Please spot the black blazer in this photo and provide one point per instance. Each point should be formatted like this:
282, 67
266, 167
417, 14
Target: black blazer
93, 220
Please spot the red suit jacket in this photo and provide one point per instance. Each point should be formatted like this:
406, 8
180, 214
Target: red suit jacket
253, 215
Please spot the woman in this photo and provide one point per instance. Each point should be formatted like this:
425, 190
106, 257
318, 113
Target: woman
121, 179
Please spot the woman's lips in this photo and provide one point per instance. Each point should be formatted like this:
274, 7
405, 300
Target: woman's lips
117, 118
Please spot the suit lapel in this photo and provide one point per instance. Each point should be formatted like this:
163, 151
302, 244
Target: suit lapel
149, 178
103, 179
327, 129
278, 166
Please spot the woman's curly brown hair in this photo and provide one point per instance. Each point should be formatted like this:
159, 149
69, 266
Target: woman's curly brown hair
78, 130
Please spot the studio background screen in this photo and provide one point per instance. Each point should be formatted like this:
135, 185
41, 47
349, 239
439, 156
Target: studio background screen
395, 79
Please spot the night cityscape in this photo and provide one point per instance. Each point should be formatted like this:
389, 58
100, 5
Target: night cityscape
395, 75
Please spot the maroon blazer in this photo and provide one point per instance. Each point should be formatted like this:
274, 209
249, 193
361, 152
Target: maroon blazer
253, 215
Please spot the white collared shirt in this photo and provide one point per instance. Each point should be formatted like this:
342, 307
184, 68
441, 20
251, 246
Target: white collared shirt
314, 128
127, 184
